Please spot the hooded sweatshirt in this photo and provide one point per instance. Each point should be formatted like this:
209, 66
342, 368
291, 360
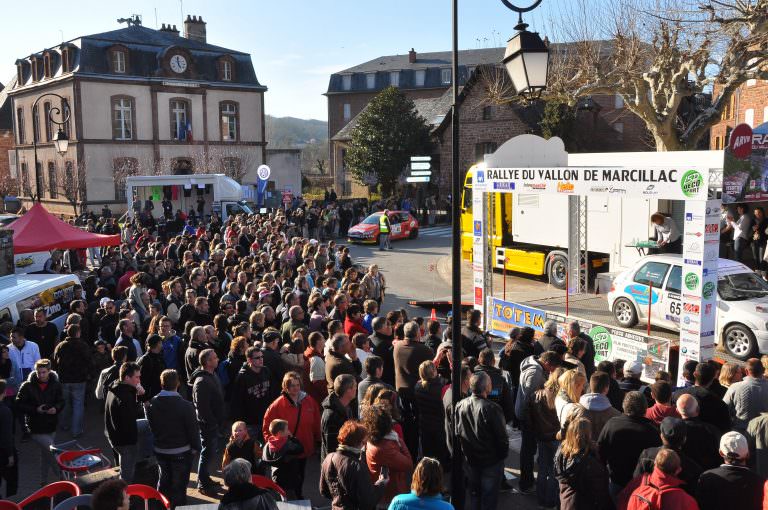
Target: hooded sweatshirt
532, 378
598, 409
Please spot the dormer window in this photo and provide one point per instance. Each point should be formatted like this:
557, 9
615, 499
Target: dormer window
445, 76
421, 75
118, 61
65, 62
346, 82
35, 69
47, 65
370, 80
19, 74
226, 70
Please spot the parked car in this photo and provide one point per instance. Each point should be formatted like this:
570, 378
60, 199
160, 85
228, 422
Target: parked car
742, 301
403, 226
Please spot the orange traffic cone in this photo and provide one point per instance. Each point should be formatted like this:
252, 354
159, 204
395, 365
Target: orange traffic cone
433, 315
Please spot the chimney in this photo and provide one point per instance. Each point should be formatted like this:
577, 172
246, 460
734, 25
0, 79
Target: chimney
171, 29
194, 28
412, 56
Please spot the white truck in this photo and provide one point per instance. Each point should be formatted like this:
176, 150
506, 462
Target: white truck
221, 194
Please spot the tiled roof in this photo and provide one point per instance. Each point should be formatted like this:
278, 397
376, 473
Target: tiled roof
423, 60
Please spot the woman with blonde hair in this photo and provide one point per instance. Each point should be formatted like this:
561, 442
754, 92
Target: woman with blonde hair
428, 396
544, 422
731, 373
572, 384
583, 479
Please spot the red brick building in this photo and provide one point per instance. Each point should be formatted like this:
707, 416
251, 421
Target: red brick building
602, 124
748, 105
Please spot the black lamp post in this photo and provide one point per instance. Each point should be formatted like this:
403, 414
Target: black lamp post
60, 139
523, 60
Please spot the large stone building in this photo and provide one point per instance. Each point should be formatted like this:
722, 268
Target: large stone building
602, 121
6, 137
748, 105
142, 101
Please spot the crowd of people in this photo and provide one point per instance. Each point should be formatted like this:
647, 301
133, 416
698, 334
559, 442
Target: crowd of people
251, 347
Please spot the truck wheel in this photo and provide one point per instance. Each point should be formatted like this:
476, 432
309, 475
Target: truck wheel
556, 271
740, 342
624, 312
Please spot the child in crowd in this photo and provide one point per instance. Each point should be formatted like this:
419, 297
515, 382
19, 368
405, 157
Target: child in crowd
242, 446
281, 452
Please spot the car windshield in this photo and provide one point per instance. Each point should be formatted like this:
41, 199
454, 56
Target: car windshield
373, 219
741, 286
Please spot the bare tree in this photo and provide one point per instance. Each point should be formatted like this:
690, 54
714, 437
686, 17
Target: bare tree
235, 161
74, 185
658, 55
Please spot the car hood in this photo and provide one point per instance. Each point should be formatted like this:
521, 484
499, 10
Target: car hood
363, 228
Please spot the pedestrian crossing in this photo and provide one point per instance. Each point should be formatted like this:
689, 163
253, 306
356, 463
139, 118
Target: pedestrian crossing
441, 231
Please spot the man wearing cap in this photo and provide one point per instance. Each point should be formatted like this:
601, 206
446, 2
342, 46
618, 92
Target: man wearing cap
662, 486
733, 484
673, 436
633, 370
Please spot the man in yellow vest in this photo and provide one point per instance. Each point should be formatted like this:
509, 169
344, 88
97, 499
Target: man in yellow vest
384, 228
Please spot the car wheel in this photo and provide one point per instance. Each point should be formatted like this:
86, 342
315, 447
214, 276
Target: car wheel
557, 270
624, 312
414, 234
740, 342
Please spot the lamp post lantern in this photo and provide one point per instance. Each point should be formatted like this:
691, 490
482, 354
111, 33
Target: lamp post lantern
526, 57
60, 139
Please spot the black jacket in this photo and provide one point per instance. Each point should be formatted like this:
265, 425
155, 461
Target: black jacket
133, 354
702, 443
72, 361
500, 390
544, 344
691, 471
46, 337
482, 431
473, 341
247, 497
251, 395
173, 423
621, 441
208, 397
31, 396
381, 345
712, 409
152, 365
429, 404
107, 325
730, 487
334, 415
344, 479
511, 361
191, 358
121, 411
583, 483
274, 362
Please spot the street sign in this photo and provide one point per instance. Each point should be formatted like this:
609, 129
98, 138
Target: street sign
420, 166
417, 179
421, 158
421, 172
263, 172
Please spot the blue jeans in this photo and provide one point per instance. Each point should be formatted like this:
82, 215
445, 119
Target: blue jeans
174, 476
209, 453
74, 406
547, 487
484, 485
129, 455
384, 243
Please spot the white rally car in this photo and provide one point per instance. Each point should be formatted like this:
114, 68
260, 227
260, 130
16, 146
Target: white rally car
742, 301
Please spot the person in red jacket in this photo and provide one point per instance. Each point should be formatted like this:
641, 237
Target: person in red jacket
303, 416
661, 489
354, 321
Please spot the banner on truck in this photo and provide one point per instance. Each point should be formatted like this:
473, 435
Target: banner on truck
610, 343
672, 183
745, 165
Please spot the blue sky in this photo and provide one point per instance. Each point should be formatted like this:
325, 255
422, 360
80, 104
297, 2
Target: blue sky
295, 44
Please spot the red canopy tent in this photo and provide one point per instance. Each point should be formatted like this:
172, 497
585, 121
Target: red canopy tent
39, 230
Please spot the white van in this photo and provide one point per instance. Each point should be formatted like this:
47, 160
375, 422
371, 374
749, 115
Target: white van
742, 301
50, 291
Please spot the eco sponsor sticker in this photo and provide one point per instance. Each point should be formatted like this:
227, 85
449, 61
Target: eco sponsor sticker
691, 281
691, 183
708, 290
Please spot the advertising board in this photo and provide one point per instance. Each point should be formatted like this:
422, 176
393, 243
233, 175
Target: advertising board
745, 165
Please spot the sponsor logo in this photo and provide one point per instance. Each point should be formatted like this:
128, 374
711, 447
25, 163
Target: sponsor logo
616, 191
693, 262
711, 228
601, 338
565, 187
691, 281
707, 308
480, 177
650, 190
691, 308
760, 141
692, 297
535, 185
599, 189
504, 185
478, 228
708, 290
694, 247
691, 183
688, 216
741, 141
478, 295
694, 234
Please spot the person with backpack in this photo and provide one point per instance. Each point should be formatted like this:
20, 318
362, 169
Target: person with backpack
661, 489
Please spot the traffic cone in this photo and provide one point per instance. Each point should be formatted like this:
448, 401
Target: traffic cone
433, 315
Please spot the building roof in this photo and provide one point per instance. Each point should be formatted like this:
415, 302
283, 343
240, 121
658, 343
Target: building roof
6, 105
424, 60
146, 47
433, 110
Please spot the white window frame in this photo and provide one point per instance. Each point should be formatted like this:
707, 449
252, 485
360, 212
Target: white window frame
346, 82
394, 78
226, 70
119, 61
347, 111
228, 114
420, 77
124, 116
178, 119
445, 76
370, 80
749, 117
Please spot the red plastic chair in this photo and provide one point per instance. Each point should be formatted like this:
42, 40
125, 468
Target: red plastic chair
50, 491
8, 505
146, 493
77, 462
266, 483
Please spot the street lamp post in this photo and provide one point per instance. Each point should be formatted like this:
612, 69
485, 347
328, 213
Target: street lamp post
527, 62
60, 139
